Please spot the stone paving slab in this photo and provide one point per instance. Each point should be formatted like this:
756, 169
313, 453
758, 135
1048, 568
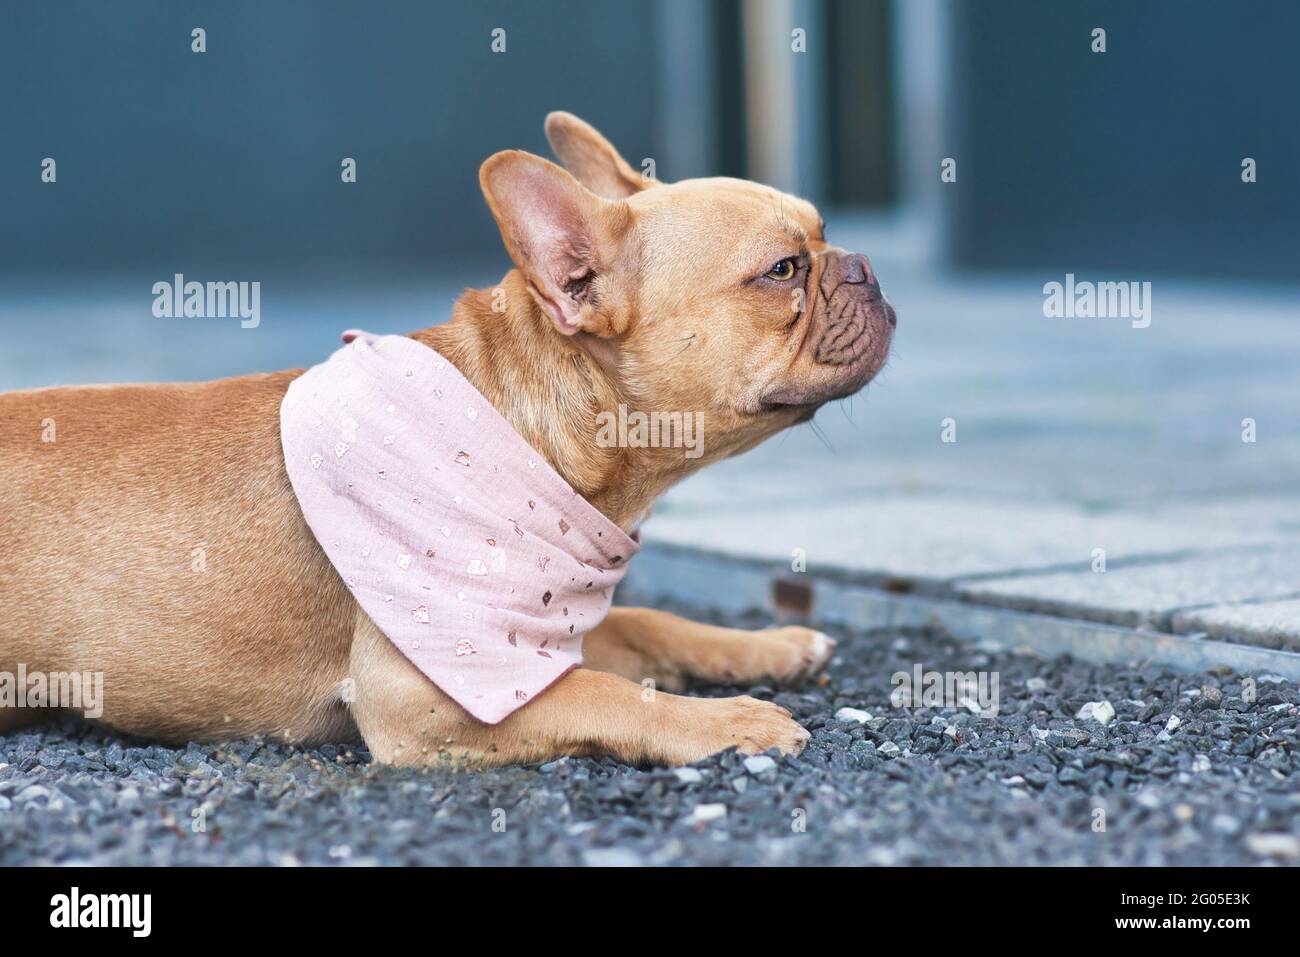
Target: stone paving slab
1274, 624
1257, 513
1148, 595
933, 541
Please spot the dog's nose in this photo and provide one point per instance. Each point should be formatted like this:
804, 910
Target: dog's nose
855, 269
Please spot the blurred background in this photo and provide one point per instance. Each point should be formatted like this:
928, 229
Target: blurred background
1116, 166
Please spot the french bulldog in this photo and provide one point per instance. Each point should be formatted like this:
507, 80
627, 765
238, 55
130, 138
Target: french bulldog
715, 295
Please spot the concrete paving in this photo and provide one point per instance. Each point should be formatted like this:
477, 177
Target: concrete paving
937, 540
1274, 624
1149, 595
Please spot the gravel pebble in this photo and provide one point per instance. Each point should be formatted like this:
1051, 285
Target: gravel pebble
853, 714
708, 812
759, 764
1103, 712
1274, 845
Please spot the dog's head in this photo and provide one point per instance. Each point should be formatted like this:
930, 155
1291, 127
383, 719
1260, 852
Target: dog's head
719, 296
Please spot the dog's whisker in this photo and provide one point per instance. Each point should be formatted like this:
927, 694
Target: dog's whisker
817, 431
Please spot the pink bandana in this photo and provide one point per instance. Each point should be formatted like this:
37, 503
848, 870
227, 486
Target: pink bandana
461, 543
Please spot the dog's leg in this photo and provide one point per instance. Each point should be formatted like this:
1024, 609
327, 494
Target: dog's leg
641, 643
407, 720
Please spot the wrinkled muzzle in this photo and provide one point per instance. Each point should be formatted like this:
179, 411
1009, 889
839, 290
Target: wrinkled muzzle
855, 314
851, 325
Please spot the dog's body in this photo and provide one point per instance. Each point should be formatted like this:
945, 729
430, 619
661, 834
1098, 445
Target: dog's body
157, 540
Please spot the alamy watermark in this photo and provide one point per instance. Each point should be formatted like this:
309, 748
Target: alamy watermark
76, 690
1098, 300
74, 909
651, 430
976, 691
211, 300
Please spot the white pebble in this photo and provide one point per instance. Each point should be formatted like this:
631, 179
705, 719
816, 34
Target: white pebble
708, 812
1274, 845
853, 714
1103, 712
688, 775
759, 763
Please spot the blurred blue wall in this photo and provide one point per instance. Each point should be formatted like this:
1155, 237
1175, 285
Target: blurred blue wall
226, 164
1129, 160
172, 160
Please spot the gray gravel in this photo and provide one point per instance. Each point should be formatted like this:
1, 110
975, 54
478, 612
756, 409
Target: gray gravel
924, 786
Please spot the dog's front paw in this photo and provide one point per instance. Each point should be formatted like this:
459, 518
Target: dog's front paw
747, 724
755, 726
795, 654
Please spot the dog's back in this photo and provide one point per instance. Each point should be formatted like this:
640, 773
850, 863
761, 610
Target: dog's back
110, 494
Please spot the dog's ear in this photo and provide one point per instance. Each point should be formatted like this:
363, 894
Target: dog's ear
591, 158
561, 235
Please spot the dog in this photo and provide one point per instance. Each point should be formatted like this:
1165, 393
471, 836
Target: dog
718, 295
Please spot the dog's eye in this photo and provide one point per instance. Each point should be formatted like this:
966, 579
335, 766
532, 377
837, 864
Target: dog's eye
782, 271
